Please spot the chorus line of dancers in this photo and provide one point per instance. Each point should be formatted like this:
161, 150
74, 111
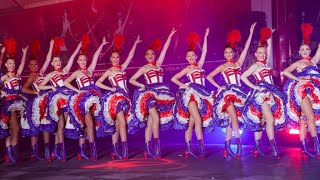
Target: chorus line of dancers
51, 105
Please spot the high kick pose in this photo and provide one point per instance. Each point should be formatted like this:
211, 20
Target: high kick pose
230, 98
13, 104
116, 102
303, 92
85, 106
58, 97
265, 103
35, 112
193, 102
152, 103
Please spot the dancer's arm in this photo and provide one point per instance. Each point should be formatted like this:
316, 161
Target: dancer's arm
131, 54
23, 61
210, 77
247, 73
165, 48
100, 84
204, 49
48, 58
96, 55
176, 77
247, 45
67, 68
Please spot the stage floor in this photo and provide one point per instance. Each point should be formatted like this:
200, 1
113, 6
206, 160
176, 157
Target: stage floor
172, 166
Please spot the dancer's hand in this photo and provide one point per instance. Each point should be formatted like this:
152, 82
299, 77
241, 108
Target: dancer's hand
138, 40
253, 25
172, 32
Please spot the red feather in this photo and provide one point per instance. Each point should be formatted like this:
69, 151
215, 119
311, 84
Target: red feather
156, 45
233, 38
11, 47
58, 43
118, 40
265, 33
193, 39
85, 43
35, 49
306, 29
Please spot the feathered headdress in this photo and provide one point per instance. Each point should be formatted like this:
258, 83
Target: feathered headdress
58, 43
265, 34
156, 45
11, 47
193, 40
118, 40
85, 44
306, 29
35, 49
233, 38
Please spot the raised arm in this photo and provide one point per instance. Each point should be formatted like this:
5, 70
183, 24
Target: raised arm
67, 82
23, 60
316, 57
176, 77
67, 68
288, 71
131, 53
210, 77
133, 79
204, 49
96, 55
100, 84
165, 48
247, 73
247, 45
48, 58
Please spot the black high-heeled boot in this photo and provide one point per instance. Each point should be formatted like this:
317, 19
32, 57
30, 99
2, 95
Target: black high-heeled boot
82, 152
275, 152
157, 148
35, 153
257, 150
239, 148
202, 150
227, 149
188, 152
115, 154
147, 153
304, 149
316, 146
124, 150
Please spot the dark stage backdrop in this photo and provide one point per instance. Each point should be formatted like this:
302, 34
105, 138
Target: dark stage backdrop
148, 18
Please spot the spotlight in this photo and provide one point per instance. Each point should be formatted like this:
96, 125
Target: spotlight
224, 130
293, 131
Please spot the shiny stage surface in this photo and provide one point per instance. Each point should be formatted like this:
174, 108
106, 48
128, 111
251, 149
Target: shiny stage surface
172, 166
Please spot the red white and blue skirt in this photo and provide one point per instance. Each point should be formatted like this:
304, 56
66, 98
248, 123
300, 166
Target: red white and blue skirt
13, 101
57, 103
232, 94
156, 95
297, 91
112, 104
275, 98
204, 99
88, 100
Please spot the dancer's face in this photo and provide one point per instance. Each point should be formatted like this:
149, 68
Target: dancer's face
115, 58
33, 65
56, 62
82, 61
150, 55
304, 51
10, 65
228, 53
261, 53
191, 57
